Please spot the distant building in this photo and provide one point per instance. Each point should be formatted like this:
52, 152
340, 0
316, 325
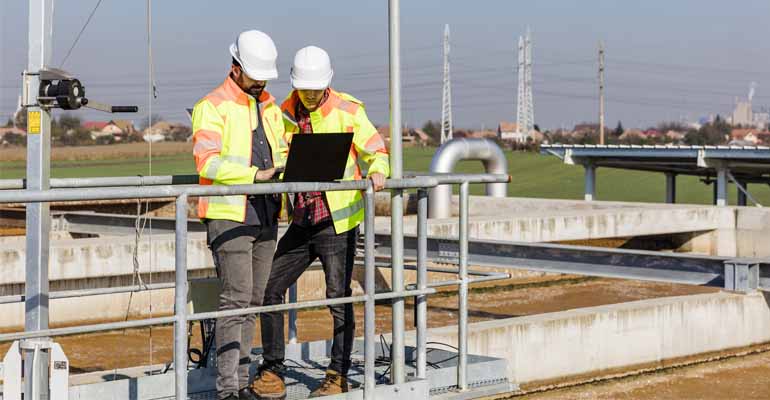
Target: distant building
630, 134
742, 114
408, 136
483, 134
13, 130
164, 130
744, 135
100, 129
675, 136
761, 120
510, 131
586, 128
763, 138
127, 126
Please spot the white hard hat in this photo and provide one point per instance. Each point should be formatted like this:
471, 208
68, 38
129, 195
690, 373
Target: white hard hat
312, 69
256, 53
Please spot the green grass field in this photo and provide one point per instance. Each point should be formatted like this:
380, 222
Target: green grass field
533, 175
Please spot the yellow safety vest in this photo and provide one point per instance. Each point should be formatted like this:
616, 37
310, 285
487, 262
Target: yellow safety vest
223, 123
342, 112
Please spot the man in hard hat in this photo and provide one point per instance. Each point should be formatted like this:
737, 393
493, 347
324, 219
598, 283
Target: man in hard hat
238, 137
324, 225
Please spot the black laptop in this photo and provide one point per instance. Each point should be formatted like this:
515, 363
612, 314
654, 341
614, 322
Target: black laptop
317, 157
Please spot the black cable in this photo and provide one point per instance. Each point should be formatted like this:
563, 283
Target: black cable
81, 33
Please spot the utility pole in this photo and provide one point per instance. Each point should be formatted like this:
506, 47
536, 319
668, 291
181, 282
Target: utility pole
525, 111
530, 106
446, 104
601, 92
38, 222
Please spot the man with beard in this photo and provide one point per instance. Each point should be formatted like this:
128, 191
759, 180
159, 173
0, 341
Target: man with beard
238, 137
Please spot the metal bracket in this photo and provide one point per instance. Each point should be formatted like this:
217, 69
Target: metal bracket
12, 373
568, 157
741, 275
702, 159
54, 74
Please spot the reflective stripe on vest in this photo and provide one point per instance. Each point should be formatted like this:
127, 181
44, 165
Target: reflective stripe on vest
213, 168
237, 159
348, 211
236, 200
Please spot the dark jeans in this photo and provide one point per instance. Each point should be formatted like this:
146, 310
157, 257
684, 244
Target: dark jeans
242, 255
297, 249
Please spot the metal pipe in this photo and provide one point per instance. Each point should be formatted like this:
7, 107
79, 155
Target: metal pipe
180, 299
721, 187
456, 150
157, 180
443, 178
369, 291
590, 181
398, 359
455, 282
91, 292
306, 304
170, 285
74, 330
106, 181
421, 302
670, 187
39, 196
293, 314
462, 323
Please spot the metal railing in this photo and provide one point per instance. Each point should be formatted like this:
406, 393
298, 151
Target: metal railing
78, 189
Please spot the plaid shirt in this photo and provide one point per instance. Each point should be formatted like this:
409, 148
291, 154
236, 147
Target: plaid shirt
309, 208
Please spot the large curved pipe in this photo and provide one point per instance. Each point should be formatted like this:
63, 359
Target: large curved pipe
446, 158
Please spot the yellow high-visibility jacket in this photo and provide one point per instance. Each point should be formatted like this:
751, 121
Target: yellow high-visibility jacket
222, 124
342, 112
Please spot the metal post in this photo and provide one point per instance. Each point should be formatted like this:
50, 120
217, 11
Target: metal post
670, 187
369, 309
397, 205
741, 195
180, 299
721, 187
462, 324
293, 314
590, 178
601, 92
38, 217
421, 302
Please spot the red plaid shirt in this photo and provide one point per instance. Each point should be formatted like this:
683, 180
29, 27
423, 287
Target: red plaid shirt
309, 208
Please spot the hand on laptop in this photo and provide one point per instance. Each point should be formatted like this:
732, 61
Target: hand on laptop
378, 181
264, 175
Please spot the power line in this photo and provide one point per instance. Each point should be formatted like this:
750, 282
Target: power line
80, 33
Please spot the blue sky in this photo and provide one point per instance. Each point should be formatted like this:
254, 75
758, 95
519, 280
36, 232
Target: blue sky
665, 59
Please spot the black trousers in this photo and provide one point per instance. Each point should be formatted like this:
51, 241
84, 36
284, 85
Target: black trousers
297, 249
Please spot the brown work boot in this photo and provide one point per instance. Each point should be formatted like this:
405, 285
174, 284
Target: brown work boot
333, 383
269, 385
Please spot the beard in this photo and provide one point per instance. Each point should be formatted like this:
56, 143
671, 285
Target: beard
255, 91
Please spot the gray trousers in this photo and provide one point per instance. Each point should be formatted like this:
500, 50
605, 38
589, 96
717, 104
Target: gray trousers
243, 255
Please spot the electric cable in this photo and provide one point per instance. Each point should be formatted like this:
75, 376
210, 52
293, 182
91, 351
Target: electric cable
83, 29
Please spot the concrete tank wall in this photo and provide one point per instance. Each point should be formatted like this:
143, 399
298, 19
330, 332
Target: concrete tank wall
590, 340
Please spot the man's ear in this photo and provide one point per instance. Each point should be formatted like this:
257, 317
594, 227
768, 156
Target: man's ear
235, 71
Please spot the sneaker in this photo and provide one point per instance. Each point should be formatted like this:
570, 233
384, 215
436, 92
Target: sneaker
333, 383
269, 385
247, 393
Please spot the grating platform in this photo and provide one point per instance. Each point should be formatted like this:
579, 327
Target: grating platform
486, 376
